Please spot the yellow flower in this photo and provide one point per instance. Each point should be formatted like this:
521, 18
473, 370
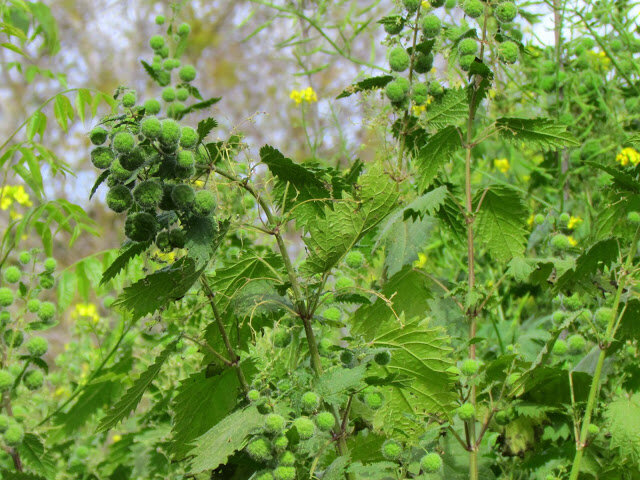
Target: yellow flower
14, 194
502, 164
421, 262
307, 95
628, 155
86, 310
418, 109
573, 222
116, 438
572, 241
530, 220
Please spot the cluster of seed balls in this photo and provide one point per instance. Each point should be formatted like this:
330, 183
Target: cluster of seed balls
270, 445
398, 90
151, 162
13, 339
393, 451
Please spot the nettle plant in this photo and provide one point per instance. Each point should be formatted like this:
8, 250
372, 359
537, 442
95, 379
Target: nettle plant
404, 341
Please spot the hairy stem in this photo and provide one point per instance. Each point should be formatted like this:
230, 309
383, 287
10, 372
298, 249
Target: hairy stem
594, 390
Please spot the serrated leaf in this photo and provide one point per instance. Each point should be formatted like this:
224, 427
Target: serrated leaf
451, 109
426, 204
33, 454
436, 153
158, 289
127, 253
204, 128
198, 106
600, 255
542, 133
520, 268
334, 385
151, 72
130, 400
500, 224
331, 237
622, 418
335, 471
101, 178
203, 238
223, 439
372, 83
630, 322
620, 178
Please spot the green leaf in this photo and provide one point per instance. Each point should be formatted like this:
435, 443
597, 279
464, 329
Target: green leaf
500, 224
130, 400
151, 72
335, 384
520, 268
335, 471
203, 238
622, 418
127, 253
372, 83
34, 456
223, 439
331, 237
620, 178
542, 133
629, 323
426, 204
101, 178
158, 289
198, 106
201, 402
436, 153
600, 255
451, 109
204, 128
63, 111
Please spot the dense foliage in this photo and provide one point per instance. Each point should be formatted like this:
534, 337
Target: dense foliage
464, 305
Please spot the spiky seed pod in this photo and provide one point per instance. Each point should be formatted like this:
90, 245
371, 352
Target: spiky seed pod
468, 46
169, 94
184, 29
14, 435
12, 274
431, 26
283, 472
33, 379
98, 136
6, 297
603, 316
188, 138
185, 159
177, 238
6, 380
373, 400
46, 311
411, 5
332, 314
399, 59
466, 61
435, 88
560, 241
183, 196
469, 367
148, 194
274, 423
325, 421
420, 93
170, 63
393, 25
204, 203
50, 264
182, 94
508, 52
505, 12
305, 427
156, 42
280, 443
163, 78
175, 109
264, 475
423, 63
395, 92
46, 281
33, 305
473, 8
382, 358
466, 412
449, 4
436, 3
152, 107
259, 449
170, 134
287, 459
187, 73
431, 463
140, 227
354, 259
576, 343
151, 127
134, 159
5, 421
101, 157
119, 198
37, 346
162, 241
24, 257
310, 401
123, 142
560, 347
129, 99
347, 357
391, 450
253, 395
160, 20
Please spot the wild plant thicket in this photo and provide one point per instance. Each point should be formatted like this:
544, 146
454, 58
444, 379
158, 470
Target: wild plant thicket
464, 306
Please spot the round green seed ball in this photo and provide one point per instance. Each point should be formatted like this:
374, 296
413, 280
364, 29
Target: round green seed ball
119, 198
395, 92
391, 450
182, 94
37, 346
325, 421
274, 423
505, 12
33, 305
123, 142
177, 238
280, 443
560, 347
183, 196
129, 99
468, 46
184, 29
170, 134
156, 42
185, 159
431, 463
310, 401
253, 395
160, 20
423, 63
12, 274
46, 281
435, 88
393, 25
576, 343
508, 52
187, 73
6, 297
449, 4
101, 157
283, 472
264, 475
399, 59
466, 412
560, 241
633, 217
148, 194
169, 94
204, 203
603, 316
170, 63
188, 137
259, 449
287, 459
373, 400
152, 107
431, 26
420, 93
473, 8
6, 380
46, 311
411, 5
354, 259
14, 435
469, 367
50, 264
382, 358
332, 314
140, 227
466, 61
151, 127
24, 257
305, 427
33, 379
5, 421
98, 136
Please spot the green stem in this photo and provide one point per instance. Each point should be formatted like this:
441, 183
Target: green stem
592, 399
